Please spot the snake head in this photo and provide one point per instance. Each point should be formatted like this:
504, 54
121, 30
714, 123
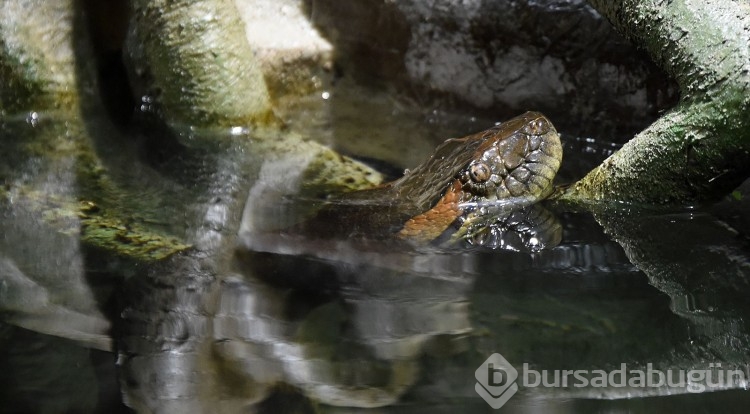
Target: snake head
514, 161
510, 165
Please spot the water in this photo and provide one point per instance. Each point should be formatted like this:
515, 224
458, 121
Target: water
299, 324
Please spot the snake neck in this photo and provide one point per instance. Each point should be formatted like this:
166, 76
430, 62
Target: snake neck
433, 222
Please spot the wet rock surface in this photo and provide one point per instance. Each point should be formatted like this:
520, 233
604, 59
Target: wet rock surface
501, 57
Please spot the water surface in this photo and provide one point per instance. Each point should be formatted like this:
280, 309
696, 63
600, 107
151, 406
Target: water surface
285, 324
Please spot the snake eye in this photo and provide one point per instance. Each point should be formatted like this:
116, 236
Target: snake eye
479, 172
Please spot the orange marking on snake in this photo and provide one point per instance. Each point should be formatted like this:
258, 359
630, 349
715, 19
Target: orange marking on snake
430, 224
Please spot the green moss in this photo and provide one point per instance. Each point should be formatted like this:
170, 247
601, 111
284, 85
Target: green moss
96, 227
332, 172
128, 240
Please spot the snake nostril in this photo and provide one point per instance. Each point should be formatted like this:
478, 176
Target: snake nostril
538, 126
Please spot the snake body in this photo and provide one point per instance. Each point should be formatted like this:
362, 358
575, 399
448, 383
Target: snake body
511, 164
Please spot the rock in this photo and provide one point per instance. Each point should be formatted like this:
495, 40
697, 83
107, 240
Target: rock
294, 58
502, 57
38, 62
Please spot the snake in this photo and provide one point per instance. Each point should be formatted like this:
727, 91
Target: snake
509, 166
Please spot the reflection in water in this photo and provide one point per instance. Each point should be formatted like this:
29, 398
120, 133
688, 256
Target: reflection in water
43, 280
531, 229
710, 289
356, 343
251, 318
